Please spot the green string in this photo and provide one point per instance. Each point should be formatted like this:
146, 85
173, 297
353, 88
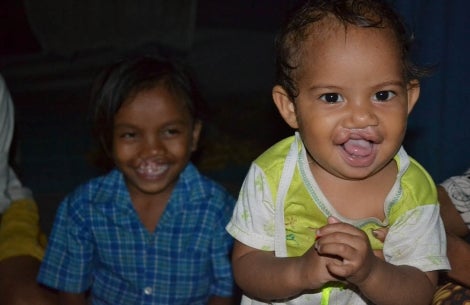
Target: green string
325, 295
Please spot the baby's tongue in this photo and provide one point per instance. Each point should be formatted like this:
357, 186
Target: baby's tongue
358, 147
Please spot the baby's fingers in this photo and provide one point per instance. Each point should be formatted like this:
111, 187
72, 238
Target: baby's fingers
338, 244
336, 263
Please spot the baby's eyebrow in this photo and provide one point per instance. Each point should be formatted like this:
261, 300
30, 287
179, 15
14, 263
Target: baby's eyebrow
324, 87
398, 83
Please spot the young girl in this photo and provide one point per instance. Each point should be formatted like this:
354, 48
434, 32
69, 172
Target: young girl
310, 206
151, 231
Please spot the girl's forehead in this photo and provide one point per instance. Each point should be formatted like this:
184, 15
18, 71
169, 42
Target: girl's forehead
158, 91
155, 100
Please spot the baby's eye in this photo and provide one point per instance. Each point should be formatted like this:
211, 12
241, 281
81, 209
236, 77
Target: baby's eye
383, 96
331, 98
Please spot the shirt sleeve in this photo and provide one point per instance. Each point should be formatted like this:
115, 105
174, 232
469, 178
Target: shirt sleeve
67, 262
222, 243
418, 239
253, 218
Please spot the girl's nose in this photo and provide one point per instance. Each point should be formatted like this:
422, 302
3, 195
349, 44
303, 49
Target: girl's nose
153, 147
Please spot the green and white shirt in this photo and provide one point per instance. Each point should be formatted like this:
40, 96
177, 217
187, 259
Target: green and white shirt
280, 205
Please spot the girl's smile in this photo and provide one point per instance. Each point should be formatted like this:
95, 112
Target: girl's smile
154, 136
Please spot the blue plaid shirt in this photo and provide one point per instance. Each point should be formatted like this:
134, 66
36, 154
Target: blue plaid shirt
99, 242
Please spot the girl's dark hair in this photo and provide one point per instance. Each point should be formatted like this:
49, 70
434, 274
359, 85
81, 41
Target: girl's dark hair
123, 80
361, 13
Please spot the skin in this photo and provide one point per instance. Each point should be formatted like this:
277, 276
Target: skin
351, 86
154, 136
18, 284
458, 250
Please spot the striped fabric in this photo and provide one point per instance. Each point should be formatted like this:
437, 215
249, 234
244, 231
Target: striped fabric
99, 242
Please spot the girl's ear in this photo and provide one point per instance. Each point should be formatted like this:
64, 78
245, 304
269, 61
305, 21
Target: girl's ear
285, 106
413, 94
196, 133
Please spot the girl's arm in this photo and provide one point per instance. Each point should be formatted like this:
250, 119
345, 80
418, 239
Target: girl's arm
66, 298
216, 300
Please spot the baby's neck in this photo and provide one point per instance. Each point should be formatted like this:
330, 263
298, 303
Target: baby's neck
359, 199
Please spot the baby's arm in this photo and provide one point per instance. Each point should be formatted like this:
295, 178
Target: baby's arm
379, 281
260, 274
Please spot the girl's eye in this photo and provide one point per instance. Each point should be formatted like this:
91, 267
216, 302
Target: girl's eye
331, 98
128, 135
382, 96
171, 131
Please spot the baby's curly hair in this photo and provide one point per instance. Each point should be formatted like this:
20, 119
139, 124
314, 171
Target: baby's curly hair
360, 13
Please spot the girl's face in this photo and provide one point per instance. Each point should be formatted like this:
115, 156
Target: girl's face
353, 102
153, 139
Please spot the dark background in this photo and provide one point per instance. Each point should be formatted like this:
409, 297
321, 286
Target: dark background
50, 50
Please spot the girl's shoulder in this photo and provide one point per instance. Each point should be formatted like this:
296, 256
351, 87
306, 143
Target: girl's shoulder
98, 189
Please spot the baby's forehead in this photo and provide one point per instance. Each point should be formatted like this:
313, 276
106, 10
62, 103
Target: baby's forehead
338, 40
333, 26
330, 28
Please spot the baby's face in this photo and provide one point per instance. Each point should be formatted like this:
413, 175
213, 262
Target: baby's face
153, 139
353, 101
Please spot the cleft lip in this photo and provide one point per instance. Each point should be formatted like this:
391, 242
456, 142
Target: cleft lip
368, 134
358, 147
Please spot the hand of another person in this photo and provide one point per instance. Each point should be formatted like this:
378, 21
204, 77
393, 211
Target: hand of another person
380, 234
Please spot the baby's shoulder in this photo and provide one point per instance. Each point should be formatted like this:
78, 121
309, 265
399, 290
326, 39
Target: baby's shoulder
274, 157
418, 185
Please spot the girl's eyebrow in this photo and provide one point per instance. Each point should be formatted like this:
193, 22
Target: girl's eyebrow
177, 122
124, 125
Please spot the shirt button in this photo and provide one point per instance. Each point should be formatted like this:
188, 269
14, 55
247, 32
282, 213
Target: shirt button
148, 290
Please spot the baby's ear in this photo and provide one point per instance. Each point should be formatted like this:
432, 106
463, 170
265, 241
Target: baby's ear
413, 94
285, 106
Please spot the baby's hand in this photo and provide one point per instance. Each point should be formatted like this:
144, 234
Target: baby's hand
351, 248
314, 268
